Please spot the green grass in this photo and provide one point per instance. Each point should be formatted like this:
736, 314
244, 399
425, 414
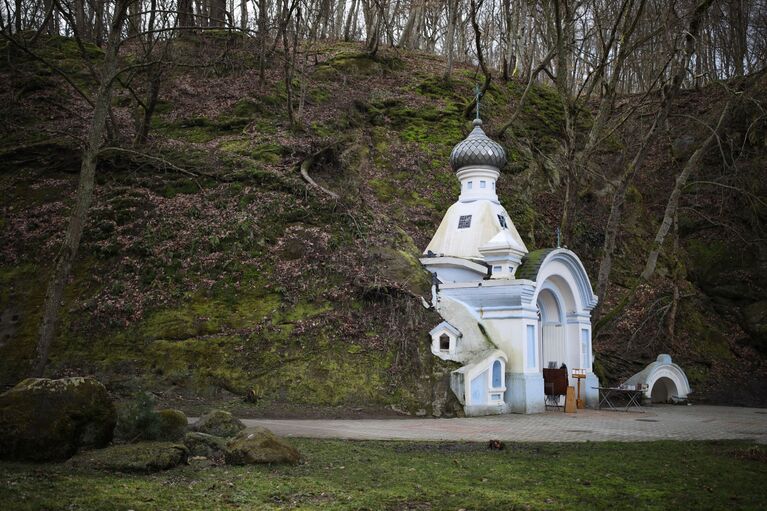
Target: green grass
336, 474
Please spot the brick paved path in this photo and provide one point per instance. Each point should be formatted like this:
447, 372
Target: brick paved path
658, 423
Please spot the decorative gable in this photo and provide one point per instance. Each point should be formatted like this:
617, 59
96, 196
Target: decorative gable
444, 340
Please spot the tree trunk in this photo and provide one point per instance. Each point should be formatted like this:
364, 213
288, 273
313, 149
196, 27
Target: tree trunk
671, 320
134, 19
452, 18
350, 21
217, 13
411, 31
263, 28
185, 14
289, 57
18, 6
66, 256
98, 26
673, 200
475, 6
47, 24
202, 12
244, 15
619, 197
81, 23
153, 92
738, 17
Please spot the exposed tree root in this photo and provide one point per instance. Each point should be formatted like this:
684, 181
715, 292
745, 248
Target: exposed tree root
306, 165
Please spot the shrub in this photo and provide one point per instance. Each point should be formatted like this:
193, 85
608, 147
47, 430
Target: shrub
137, 420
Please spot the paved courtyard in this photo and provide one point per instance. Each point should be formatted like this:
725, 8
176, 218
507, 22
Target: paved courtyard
657, 423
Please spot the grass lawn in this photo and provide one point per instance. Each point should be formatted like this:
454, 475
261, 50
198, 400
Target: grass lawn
422, 476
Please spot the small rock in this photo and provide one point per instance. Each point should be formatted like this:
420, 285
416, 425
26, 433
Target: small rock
172, 424
218, 423
259, 445
142, 457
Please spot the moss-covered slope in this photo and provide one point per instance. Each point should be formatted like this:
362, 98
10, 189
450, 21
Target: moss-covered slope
211, 271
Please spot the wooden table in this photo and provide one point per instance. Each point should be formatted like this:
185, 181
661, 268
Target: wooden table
633, 395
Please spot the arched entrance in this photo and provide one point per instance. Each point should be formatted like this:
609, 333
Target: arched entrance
663, 390
666, 381
551, 330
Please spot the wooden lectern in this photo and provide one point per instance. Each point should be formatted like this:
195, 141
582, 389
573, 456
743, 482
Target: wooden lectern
579, 374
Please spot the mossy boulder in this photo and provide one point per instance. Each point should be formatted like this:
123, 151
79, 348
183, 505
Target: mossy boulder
172, 424
259, 445
202, 444
143, 457
403, 267
218, 423
47, 420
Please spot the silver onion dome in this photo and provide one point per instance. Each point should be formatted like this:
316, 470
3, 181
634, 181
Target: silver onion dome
477, 149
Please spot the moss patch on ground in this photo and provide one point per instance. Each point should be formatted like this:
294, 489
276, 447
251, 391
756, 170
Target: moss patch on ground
201, 129
356, 63
338, 474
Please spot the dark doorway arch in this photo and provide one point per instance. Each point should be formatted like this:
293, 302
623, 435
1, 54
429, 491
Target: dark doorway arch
663, 390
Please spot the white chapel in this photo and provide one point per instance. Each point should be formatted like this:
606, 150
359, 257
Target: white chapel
508, 313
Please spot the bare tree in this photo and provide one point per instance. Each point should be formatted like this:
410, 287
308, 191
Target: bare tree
629, 171
452, 19
79, 215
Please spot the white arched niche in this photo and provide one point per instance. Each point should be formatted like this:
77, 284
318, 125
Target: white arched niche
666, 381
551, 329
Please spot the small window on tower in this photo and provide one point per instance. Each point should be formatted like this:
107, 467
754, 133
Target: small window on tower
444, 342
468, 185
464, 222
502, 219
483, 184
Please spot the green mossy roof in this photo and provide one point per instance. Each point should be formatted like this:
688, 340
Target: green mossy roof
531, 263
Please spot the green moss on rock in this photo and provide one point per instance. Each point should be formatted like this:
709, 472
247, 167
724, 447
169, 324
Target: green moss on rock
203, 444
172, 424
218, 423
42, 419
259, 445
143, 457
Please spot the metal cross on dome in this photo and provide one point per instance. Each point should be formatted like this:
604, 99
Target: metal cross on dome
477, 94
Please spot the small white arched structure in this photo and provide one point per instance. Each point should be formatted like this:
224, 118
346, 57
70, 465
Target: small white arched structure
665, 381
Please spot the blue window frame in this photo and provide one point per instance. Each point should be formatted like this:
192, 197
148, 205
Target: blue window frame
531, 355
497, 375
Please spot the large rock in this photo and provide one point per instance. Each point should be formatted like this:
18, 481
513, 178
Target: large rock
142, 457
202, 444
218, 423
46, 420
172, 424
259, 445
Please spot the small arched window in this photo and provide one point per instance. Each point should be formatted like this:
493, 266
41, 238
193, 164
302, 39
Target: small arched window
497, 375
444, 342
